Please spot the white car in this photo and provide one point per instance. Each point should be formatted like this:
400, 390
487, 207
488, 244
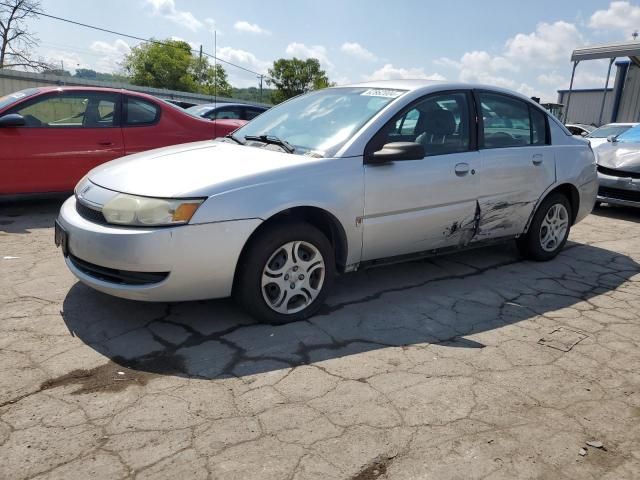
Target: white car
331, 181
600, 135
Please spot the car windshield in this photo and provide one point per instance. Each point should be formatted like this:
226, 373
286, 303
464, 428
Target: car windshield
608, 130
14, 97
319, 123
632, 135
198, 110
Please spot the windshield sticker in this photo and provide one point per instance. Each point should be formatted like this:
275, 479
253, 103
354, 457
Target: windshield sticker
382, 92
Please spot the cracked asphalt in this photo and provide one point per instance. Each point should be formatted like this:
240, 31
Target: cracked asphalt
476, 365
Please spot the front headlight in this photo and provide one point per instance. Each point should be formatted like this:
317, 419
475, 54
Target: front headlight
126, 209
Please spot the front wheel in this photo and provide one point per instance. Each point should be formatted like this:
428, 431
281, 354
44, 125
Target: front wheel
549, 229
285, 273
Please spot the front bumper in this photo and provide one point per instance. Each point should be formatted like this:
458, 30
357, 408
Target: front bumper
618, 190
189, 262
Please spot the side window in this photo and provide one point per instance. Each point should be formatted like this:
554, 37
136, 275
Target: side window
440, 123
505, 121
141, 112
228, 112
538, 127
75, 110
251, 113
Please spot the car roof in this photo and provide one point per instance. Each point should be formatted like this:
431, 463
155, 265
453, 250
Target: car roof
73, 88
426, 86
228, 104
618, 124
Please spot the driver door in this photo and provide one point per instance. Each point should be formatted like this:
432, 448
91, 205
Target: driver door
430, 203
66, 134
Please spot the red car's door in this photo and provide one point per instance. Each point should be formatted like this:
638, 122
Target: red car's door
66, 134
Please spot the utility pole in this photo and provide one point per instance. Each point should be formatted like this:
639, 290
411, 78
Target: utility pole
261, 77
200, 68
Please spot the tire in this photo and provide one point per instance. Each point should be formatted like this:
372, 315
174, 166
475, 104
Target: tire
297, 252
549, 229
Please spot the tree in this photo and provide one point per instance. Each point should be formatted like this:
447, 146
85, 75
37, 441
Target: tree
212, 80
16, 42
168, 64
292, 77
171, 64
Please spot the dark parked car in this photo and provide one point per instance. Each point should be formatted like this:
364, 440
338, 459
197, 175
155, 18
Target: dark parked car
235, 111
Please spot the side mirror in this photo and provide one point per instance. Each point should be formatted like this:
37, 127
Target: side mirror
584, 134
612, 139
12, 120
397, 151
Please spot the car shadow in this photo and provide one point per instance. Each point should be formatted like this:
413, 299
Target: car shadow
619, 213
439, 300
22, 216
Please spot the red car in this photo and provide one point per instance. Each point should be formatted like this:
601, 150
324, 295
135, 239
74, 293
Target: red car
51, 137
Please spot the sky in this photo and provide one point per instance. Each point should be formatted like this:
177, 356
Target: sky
525, 46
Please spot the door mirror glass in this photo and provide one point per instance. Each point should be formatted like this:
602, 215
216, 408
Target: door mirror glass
12, 120
397, 151
612, 139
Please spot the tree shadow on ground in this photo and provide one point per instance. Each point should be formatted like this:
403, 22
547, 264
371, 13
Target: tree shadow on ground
439, 300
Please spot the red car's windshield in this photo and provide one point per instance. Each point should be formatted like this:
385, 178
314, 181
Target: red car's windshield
17, 96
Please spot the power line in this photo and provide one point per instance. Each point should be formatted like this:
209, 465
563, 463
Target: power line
126, 35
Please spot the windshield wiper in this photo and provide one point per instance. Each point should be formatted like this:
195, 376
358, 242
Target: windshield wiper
233, 138
273, 140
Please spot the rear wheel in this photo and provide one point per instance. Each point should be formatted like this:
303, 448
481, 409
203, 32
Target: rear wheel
285, 273
549, 229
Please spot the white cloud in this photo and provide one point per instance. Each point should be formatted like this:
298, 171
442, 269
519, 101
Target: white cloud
168, 10
246, 27
550, 43
112, 54
356, 50
620, 16
302, 51
242, 57
389, 72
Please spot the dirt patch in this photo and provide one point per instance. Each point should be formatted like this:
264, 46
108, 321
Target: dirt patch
110, 377
373, 470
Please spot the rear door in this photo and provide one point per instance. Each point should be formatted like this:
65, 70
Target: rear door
141, 127
517, 162
67, 133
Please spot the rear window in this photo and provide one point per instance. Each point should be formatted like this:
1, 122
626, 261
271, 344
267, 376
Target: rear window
17, 96
141, 112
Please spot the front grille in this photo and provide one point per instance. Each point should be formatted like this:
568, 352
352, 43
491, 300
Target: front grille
94, 216
617, 173
619, 194
121, 277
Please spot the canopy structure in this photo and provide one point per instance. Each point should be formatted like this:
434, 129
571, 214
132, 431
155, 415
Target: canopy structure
597, 52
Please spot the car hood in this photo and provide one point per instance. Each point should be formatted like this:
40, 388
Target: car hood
619, 156
199, 169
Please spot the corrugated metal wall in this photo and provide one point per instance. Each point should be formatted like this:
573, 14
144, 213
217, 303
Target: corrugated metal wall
630, 103
585, 106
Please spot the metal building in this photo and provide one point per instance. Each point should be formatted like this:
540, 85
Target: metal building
620, 104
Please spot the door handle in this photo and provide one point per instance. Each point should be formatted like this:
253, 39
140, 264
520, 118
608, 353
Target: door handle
537, 159
105, 144
462, 169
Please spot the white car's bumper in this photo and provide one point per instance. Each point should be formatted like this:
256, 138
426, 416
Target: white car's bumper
189, 262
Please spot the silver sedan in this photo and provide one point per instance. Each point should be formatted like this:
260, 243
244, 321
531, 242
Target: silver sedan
329, 182
619, 169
